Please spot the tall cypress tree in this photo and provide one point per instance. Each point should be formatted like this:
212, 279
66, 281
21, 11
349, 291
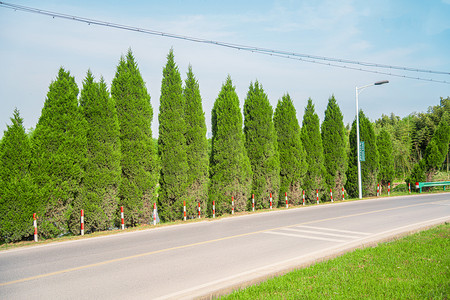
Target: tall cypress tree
173, 179
334, 146
138, 159
230, 168
17, 190
293, 165
59, 151
102, 175
384, 146
261, 145
197, 145
369, 167
312, 141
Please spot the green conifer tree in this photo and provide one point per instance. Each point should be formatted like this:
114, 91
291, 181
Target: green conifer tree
293, 165
312, 141
230, 169
173, 178
59, 151
369, 167
138, 159
385, 150
197, 145
17, 190
102, 175
334, 147
261, 145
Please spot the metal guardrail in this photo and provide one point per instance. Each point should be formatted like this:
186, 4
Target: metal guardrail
420, 185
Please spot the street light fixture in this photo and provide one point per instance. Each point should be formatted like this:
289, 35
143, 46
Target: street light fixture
358, 90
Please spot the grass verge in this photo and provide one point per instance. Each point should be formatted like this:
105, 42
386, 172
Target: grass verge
414, 267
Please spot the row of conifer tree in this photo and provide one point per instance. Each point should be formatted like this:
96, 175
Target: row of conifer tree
95, 152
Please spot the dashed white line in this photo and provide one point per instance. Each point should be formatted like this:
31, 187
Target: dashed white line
334, 230
322, 233
305, 236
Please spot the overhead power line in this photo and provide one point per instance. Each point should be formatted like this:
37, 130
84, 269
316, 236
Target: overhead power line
322, 60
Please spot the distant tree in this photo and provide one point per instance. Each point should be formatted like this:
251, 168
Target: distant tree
17, 190
230, 169
261, 145
293, 165
197, 145
59, 152
438, 147
334, 146
400, 132
138, 159
384, 146
312, 141
369, 167
102, 175
172, 146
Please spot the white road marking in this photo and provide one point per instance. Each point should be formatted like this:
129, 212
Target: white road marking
305, 236
322, 233
334, 230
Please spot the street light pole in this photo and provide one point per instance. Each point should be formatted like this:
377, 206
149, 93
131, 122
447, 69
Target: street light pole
358, 90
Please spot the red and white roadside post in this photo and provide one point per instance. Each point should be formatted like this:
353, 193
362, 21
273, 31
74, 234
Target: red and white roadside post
343, 194
317, 193
285, 196
35, 227
378, 189
154, 213
253, 202
184, 210
303, 197
214, 208
331, 196
409, 188
82, 222
389, 188
232, 205
199, 211
270, 200
122, 219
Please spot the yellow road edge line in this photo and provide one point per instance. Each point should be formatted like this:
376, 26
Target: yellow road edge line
196, 244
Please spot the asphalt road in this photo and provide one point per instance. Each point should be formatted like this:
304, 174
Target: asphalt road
210, 257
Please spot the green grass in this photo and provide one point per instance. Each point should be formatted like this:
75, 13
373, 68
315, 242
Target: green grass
414, 267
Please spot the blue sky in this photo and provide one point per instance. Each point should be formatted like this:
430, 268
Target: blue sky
402, 33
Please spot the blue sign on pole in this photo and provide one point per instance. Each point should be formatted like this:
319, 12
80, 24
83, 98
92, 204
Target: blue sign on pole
362, 152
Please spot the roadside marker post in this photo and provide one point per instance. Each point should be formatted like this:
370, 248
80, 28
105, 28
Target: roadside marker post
303, 197
285, 195
199, 211
253, 202
270, 200
389, 188
121, 218
35, 227
331, 196
409, 188
378, 189
317, 193
232, 205
154, 213
82, 222
184, 210
343, 194
214, 208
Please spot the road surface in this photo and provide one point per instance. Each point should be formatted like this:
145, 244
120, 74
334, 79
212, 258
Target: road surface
210, 257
